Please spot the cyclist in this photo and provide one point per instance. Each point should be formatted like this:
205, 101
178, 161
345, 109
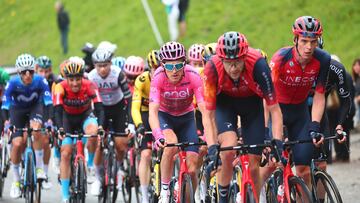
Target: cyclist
237, 80
134, 66
210, 50
140, 116
73, 113
171, 112
43, 67
196, 56
114, 92
22, 103
4, 78
118, 61
294, 70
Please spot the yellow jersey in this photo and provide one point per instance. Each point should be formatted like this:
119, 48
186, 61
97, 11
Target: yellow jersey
140, 98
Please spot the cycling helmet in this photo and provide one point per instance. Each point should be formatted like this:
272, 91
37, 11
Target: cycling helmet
106, 45
62, 67
134, 65
25, 62
171, 51
320, 43
153, 59
74, 67
196, 52
118, 61
232, 45
307, 26
101, 56
88, 48
43, 62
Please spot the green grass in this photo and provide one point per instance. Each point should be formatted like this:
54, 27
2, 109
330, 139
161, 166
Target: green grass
30, 25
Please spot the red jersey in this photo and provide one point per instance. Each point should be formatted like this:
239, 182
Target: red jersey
255, 79
292, 82
79, 102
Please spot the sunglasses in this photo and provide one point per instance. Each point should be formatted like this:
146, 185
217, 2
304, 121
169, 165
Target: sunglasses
231, 63
171, 67
24, 72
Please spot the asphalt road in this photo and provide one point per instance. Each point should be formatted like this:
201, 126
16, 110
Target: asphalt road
346, 175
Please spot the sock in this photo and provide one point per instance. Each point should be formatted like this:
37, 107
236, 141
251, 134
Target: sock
90, 161
165, 185
98, 169
57, 153
223, 193
65, 183
15, 169
39, 156
46, 168
144, 193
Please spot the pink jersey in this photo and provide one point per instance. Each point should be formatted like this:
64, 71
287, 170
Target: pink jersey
176, 99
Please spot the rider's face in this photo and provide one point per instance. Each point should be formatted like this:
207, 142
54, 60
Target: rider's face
27, 76
306, 46
75, 83
174, 75
103, 69
234, 67
44, 72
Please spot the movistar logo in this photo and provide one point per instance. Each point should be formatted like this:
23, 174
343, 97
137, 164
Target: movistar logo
24, 98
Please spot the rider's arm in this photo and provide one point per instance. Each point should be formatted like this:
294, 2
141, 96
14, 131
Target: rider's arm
136, 102
208, 115
58, 113
124, 85
99, 113
6, 100
59, 93
262, 76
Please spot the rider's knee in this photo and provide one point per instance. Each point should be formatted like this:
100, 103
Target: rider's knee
227, 157
146, 155
17, 142
65, 155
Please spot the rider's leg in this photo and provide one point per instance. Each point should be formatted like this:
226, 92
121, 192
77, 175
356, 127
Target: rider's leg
167, 163
47, 152
37, 144
66, 150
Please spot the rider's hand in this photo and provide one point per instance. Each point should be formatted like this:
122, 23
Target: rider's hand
140, 130
159, 137
6, 126
276, 153
340, 131
49, 125
131, 129
314, 131
61, 133
101, 131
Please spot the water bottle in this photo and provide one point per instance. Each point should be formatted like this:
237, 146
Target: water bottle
280, 193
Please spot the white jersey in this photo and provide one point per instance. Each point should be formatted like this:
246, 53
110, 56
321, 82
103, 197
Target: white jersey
109, 88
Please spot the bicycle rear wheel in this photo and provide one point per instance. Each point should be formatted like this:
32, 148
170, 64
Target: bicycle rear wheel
30, 182
114, 179
299, 192
272, 186
155, 184
134, 178
2, 169
126, 182
326, 188
250, 197
187, 189
235, 185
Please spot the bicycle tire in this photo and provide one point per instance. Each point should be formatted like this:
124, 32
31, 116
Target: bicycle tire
250, 197
38, 190
155, 184
114, 177
234, 188
107, 189
187, 185
126, 183
30, 182
299, 190
80, 182
272, 185
332, 193
134, 178
2, 178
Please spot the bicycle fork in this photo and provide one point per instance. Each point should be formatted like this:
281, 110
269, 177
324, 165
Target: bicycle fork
246, 178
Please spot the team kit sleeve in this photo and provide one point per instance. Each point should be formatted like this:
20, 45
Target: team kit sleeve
136, 102
46, 94
262, 76
155, 89
124, 85
210, 83
323, 73
6, 100
197, 85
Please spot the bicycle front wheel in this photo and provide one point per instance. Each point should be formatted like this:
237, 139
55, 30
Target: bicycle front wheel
299, 192
29, 180
187, 190
80, 182
326, 188
249, 197
2, 168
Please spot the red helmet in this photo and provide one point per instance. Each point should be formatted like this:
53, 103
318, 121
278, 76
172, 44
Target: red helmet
232, 45
307, 26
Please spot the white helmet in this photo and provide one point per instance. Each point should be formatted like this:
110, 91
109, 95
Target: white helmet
106, 45
101, 55
76, 59
25, 62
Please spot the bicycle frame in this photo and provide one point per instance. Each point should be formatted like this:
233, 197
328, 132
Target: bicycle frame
287, 173
29, 150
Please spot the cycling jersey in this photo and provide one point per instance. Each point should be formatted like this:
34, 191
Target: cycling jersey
140, 99
79, 102
4, 78
292, 82
176, 99
19, 95
254, 80
113, 88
